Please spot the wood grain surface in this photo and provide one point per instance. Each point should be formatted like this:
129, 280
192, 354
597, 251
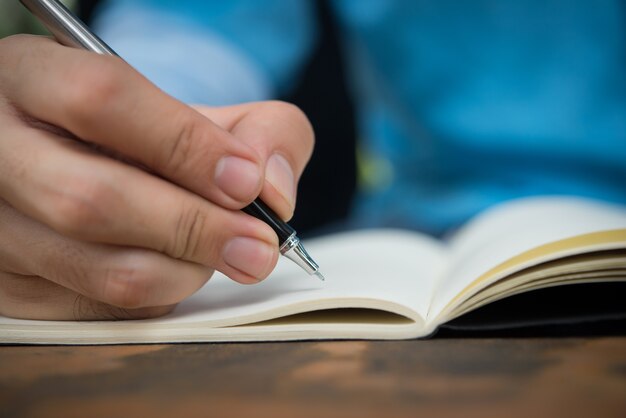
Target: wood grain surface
482, 377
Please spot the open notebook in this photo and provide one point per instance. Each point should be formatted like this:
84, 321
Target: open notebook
383, 284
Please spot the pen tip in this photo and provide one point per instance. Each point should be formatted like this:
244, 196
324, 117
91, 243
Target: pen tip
320, 276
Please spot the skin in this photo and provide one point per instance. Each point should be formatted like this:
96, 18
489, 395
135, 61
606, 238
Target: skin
118, 201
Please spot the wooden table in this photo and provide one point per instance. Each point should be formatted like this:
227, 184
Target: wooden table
482, 377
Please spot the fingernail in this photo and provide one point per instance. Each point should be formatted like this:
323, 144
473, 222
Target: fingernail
251, 256
238, 178
279, 173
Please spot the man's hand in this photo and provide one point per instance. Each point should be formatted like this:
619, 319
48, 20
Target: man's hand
116, 200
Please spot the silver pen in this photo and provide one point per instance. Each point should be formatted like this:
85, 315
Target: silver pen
70, 31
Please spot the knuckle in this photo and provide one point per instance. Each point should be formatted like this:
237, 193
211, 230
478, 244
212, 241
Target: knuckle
79, 205
189, 230
129, 286
85, 309
295, 118
97, 81
179, 149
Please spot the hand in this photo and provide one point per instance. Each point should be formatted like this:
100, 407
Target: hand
137, 214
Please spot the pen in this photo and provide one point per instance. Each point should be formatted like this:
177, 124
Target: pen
70, 31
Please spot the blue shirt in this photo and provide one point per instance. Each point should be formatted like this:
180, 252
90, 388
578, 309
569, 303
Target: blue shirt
460, 105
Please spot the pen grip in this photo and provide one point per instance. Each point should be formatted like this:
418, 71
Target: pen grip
261, 211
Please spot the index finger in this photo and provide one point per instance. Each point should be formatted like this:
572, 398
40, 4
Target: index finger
104, 101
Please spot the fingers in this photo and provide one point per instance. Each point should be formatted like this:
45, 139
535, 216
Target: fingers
282, 135
86, 196
104, 101
32, 297
125, 278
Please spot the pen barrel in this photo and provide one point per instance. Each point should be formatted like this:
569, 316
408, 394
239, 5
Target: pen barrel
261, 211
65, 27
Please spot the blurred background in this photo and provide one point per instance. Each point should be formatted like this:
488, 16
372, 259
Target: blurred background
15, 19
